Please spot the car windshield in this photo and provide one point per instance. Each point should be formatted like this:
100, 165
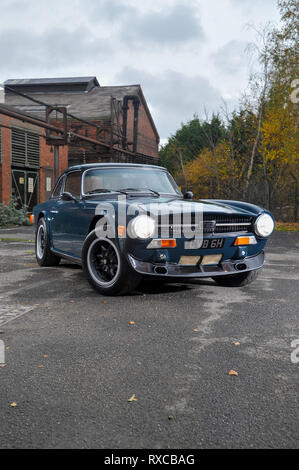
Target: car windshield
131, 179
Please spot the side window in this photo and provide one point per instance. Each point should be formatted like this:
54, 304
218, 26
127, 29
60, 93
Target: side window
73, 183
57, 190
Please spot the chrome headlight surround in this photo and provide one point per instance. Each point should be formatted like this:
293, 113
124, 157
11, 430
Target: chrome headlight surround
264, 225
142, 227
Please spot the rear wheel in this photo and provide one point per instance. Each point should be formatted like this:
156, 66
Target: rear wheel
106, 269
237, 280
43, 254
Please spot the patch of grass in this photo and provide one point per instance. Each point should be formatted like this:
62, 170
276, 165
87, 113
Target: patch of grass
15, 240
287, 226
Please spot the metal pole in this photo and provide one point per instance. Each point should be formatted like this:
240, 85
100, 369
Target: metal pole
56, 162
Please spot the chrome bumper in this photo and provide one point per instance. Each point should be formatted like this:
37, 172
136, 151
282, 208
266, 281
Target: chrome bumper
177, 270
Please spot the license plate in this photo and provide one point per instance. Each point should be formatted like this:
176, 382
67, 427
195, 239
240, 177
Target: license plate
212, 243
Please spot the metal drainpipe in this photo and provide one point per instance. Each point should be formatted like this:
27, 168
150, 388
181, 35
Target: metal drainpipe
136, 103
56, 162
136, 109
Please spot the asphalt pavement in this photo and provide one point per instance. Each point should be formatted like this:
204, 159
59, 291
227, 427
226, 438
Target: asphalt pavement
74, 359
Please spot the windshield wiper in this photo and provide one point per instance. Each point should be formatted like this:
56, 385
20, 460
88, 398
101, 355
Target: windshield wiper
141, 189
102, 190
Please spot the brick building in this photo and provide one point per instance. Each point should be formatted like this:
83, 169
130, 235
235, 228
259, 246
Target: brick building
118, 115
26, 162
101, 124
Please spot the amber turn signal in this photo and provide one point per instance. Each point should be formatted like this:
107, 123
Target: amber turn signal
121, 230
168, 243
165, 243
31, 218
245, 240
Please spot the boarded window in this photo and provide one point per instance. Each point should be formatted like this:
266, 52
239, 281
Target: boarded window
25, 149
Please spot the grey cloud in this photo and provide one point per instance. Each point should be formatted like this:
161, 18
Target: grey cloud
174, 97
231, 57
99, 10
170, 26
23, 51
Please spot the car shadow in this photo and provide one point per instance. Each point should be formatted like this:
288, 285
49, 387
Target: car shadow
67, 265
158, 286
152, 286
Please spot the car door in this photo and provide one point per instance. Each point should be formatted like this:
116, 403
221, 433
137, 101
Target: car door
67, 227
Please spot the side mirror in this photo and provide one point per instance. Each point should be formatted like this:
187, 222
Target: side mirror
188, 195
67, 197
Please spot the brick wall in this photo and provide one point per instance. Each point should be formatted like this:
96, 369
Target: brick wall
146, 139
46, 159
5, 174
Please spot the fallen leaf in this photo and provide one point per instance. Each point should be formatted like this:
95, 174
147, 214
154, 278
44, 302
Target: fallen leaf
170, 417
233, 372
29, 252
2, 365
13, 404
105, 301
237, 343
46, 355
7, 348
133, 398
40, 366
132, 323
196, 330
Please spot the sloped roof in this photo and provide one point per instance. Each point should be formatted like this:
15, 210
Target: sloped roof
92, 105
49, 85
45, 81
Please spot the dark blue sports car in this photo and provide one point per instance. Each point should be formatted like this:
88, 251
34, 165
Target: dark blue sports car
126, 221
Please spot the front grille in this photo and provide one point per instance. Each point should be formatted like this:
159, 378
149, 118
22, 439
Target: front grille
229, 223
212, 224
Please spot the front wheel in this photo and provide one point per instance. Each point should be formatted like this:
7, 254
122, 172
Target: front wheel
237, 280
106, 268
43, 253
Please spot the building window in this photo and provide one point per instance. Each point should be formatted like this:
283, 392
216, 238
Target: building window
25, 149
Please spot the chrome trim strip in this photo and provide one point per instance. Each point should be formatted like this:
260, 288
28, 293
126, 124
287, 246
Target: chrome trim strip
68, 257
232, 225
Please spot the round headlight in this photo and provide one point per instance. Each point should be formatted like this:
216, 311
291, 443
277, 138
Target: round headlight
264, 225
142, 226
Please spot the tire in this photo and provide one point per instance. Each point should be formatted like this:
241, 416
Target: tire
237, 280
43, 254
106, 268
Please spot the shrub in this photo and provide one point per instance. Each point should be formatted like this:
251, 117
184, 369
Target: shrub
11, 215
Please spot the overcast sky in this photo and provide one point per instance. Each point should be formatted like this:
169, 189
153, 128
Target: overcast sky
186, 54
